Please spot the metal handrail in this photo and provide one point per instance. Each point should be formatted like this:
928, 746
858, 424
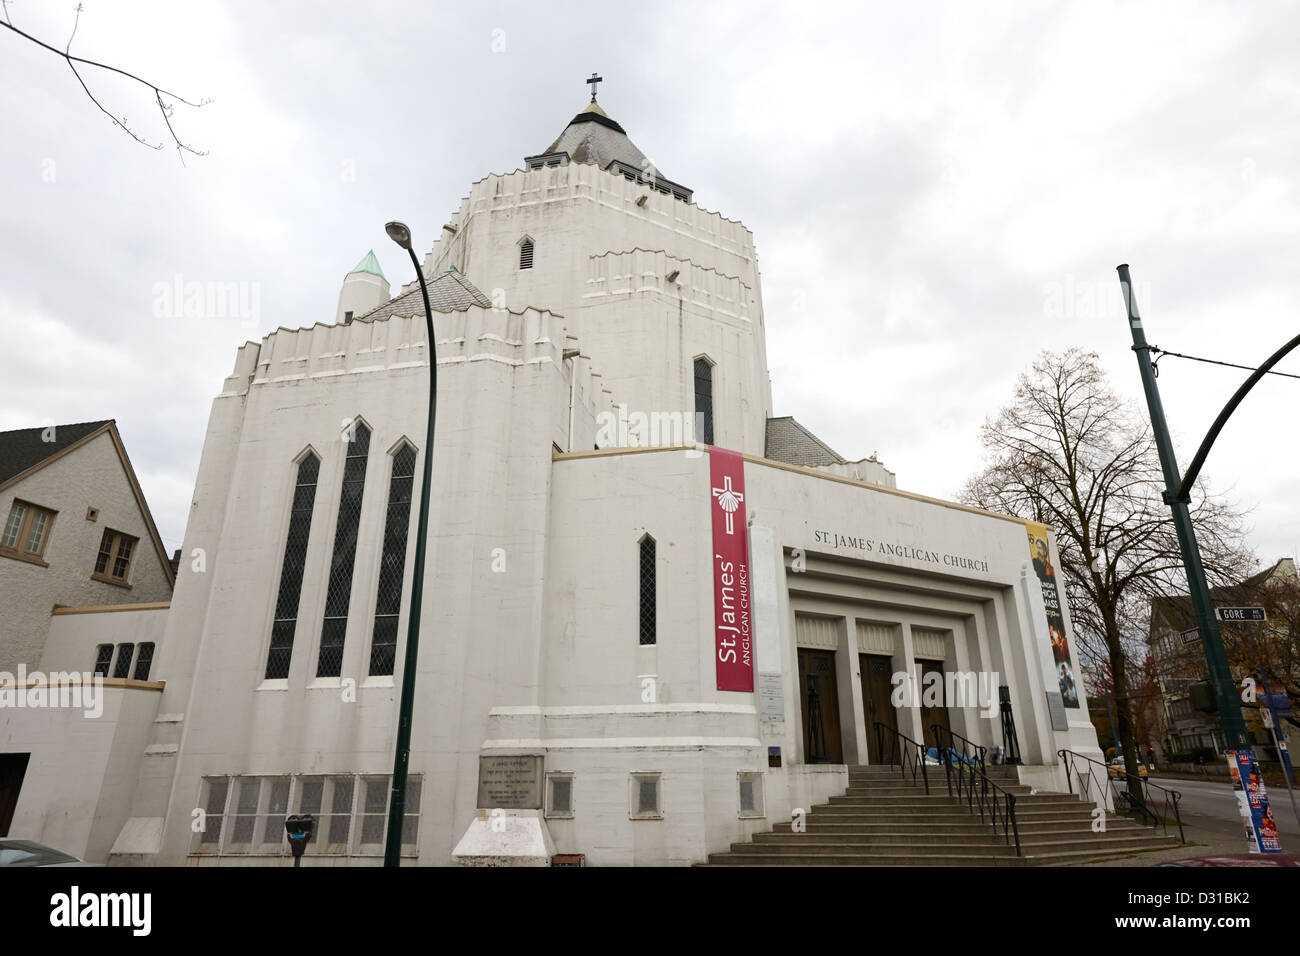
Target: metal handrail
1144, 808
904, 752
995, 805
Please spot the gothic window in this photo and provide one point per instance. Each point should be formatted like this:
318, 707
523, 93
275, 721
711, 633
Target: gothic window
388, 602
647, 603
330, 661
295, 559
526, 253
704, 400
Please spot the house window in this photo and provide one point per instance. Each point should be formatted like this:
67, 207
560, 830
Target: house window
143, 661
26, 531
526, 254
122, 669
295, 559
103, 659
392, 566
329, 663
646, 802
704, 400
113, 563
647, 601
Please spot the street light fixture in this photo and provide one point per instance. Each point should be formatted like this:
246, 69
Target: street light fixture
400, 234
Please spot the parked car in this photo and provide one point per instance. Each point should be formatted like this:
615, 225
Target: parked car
27, 853
1116, 769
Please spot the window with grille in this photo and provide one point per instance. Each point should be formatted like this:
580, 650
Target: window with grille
144, 661
339, 597
245, 814
295, 559
646, 801
704, 400
392, 565
647, 598
526, 254
113, 562
103, 659
26, 531
751, 794
559, 795
122, 669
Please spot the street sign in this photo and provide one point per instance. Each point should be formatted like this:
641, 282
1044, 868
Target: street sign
1241, 614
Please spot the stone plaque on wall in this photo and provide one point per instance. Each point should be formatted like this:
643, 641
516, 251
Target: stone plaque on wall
510, 783
771, 698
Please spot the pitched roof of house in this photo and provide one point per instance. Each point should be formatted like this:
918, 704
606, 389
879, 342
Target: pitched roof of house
790, 442
448, 292
24, 451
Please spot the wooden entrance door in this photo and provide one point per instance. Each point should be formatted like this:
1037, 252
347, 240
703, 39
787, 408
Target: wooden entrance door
877, 688
933, 714
819, 700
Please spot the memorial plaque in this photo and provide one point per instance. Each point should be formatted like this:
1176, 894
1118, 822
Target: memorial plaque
771, 698
510, 783
1056, 707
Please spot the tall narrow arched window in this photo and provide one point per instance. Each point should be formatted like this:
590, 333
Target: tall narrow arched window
526, 252
339, 597
392, 566
295, 559
704, 401
646, 564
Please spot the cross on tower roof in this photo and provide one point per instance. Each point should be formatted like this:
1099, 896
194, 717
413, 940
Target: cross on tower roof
593, 81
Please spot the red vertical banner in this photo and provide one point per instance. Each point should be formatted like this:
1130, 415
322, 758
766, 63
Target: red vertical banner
733, 642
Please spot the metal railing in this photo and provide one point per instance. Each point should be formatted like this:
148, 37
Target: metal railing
1095, 780
903, 752
968, 780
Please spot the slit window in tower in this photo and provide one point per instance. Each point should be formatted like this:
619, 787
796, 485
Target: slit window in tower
295, 559
647, 601
704, 400
526, 254
339, 597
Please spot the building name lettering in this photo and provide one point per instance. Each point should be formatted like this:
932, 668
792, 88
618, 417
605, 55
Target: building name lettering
839, 542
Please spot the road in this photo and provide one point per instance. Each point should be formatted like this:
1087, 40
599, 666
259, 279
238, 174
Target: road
1211, 806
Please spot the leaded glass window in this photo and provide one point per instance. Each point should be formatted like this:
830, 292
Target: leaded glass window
339, 597
704, 399
647, 603
388, 602
295, 559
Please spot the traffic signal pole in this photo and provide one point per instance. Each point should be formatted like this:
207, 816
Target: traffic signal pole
1225, 690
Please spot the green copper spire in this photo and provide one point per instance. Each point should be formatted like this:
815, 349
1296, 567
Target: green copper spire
370, 264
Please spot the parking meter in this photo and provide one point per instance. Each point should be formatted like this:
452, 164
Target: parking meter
299, 830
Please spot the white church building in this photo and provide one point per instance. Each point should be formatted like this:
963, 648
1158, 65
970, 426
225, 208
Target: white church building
657, 618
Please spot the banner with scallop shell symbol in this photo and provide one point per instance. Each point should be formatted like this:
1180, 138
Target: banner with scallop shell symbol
733, 641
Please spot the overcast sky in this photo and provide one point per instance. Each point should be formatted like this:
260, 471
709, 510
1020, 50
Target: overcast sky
936, 193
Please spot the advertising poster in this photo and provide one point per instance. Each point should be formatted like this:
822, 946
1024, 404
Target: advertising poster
1258, 825
1046, 572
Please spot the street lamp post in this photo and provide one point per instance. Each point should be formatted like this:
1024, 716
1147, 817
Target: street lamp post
401, 235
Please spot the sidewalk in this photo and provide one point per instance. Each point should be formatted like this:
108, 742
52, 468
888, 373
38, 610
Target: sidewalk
1200, 842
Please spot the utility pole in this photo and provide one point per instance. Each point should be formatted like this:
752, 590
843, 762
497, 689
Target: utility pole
1225, 690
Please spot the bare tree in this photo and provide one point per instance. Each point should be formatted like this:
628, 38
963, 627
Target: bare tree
1069, 453
166, 107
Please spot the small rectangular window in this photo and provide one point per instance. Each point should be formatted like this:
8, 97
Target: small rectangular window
215, 792
26, 531
646, 802
122, 669
103, 659
559, 794
113, 561
144, 661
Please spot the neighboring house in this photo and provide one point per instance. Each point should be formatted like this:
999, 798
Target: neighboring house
76, 532
1179, 656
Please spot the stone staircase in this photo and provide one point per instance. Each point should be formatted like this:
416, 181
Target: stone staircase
884, 819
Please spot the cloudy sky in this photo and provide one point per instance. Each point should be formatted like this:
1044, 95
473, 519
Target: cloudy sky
937, 193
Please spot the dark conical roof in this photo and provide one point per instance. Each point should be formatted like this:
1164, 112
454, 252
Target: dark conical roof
594, 139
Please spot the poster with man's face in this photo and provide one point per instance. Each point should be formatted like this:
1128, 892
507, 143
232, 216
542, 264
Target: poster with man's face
1045, 568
